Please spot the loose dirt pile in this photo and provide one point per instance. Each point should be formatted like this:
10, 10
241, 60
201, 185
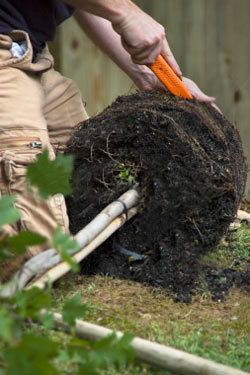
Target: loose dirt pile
188, 162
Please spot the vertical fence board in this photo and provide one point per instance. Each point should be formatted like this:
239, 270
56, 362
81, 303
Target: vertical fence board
210, 39
98, 78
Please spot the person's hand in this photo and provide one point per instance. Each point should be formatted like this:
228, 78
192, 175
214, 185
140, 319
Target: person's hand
147, 80
144, 38
141, 41
198, 94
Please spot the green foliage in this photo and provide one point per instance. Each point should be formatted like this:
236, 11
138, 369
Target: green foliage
51, 176
66, 245
104, 353
126, 174
236, 350
241, 244
5, 324
18, 244
232, 251
29, 302
47, 319
22, 240
32, 355
9, 214
22, 349
73, 309
15, 310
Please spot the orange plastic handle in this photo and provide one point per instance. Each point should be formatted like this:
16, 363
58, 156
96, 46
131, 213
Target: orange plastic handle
168, 77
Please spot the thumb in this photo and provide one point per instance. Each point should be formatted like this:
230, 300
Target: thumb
169, 57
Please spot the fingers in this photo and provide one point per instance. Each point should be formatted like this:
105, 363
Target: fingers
196, 91
216, 108
144, 54
147, 80
141, 36
198, 94
144, 39
167, 54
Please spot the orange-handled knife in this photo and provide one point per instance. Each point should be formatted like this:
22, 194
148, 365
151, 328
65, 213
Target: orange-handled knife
168, 77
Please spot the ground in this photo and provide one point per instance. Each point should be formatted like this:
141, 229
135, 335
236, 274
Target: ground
192, 291
218, 330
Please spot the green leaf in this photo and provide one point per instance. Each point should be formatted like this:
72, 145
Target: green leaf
31, 356
77, 347
21, 241
47, 319
31, 301
106, 352
123, 346
64, 242
66, 245
67, 258
4, 252
7, 285
63, 357
9, 214
72, 309
50, 176
5, 325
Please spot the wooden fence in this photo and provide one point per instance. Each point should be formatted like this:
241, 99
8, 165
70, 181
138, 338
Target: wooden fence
209, 38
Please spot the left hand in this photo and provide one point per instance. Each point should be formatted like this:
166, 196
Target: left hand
198, 94
149, 81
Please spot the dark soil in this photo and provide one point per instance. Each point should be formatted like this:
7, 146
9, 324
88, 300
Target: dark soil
188, 162
219, 281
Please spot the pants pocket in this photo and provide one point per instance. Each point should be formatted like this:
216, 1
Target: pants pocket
15, 155
37, 215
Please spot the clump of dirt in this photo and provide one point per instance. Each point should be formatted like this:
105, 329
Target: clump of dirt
188, 162
220, 280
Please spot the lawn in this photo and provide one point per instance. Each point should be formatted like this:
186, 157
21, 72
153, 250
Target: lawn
218, 330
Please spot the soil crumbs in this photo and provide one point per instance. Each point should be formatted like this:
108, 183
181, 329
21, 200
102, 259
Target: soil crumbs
187, 161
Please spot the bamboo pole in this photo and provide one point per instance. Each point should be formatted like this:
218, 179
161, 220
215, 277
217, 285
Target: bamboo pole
89, 238
114, 209
62, 268
154, 354
243, 215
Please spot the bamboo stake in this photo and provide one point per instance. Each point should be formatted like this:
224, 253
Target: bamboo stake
49, 262
114, 209
154, 354
62, 268
243, 215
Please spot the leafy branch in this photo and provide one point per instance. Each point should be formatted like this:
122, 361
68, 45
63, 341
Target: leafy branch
23, 350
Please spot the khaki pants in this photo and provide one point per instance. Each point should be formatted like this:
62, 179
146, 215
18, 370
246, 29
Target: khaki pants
38, 106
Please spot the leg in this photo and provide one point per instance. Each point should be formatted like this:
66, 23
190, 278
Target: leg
63, 108
22, 121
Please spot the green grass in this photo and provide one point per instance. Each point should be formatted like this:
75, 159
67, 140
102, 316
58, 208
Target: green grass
219, 331
232, 252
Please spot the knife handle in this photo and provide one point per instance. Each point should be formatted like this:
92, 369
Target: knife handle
168, 77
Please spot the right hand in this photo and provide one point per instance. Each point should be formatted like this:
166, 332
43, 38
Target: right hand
143, 38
